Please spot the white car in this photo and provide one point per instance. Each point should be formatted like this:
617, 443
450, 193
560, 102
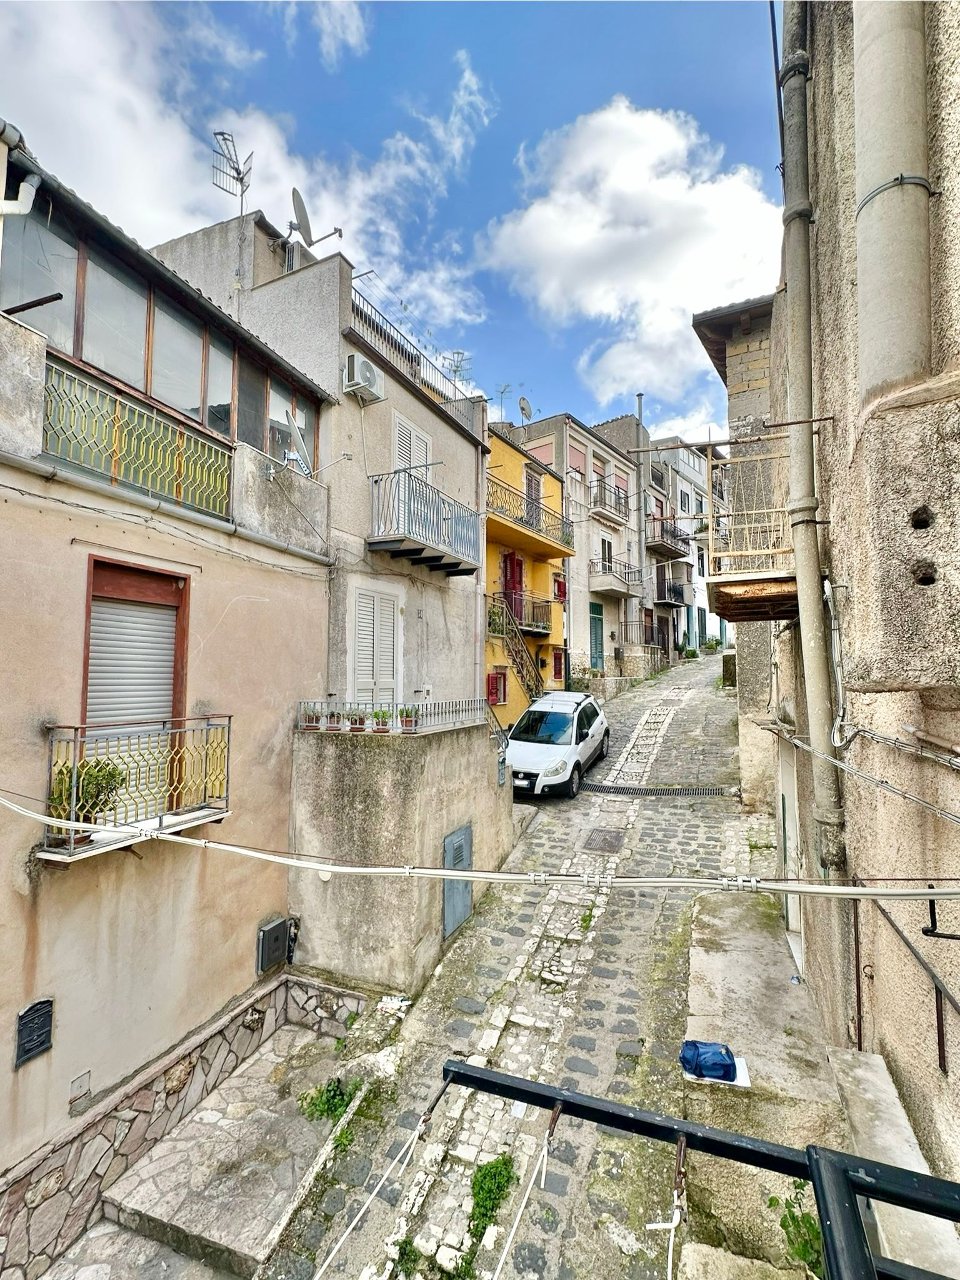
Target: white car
555, 741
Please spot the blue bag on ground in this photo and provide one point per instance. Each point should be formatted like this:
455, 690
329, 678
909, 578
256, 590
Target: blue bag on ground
708, 1061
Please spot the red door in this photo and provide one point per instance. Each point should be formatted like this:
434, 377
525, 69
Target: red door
513, 583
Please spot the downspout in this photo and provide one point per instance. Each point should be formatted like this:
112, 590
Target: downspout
802, 503
11, 137
893, 195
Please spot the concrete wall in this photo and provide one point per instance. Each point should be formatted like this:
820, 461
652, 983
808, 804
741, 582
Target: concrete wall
367, 799
22, 358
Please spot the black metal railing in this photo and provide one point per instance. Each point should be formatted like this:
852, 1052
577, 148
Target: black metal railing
839, 1180
667, 591
629, 573
504, 500
665, 533
532, 613
644, 633
393, 344
607, 497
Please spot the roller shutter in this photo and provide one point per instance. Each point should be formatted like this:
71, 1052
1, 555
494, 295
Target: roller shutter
131, 659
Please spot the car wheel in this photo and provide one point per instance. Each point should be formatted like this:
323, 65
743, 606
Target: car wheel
604, 747
573, 785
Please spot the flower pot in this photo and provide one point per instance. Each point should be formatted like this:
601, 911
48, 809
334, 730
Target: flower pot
334, 725
408, 724
357, 726
61, 839
381, 728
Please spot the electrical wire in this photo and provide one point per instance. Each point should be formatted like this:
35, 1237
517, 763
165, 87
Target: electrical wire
138, 834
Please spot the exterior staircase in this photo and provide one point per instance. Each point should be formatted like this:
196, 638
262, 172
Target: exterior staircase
502, 626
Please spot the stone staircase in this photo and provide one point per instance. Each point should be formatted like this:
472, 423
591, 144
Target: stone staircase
213, 1197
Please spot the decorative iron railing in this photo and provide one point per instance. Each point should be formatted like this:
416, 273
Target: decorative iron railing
667, 591
334, 715
753, 535
532, 613
502, 626
118, 774
637, 633
512, 504
391, 343
404, 505
665, 533
629, 573
607, 497
91, 425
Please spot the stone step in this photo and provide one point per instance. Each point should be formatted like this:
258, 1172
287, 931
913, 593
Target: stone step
110, 1252
220, 1186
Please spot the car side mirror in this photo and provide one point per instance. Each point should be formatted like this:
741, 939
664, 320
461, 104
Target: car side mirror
583, 735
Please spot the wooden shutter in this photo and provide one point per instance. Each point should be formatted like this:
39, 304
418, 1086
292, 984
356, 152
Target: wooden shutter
493, 688
375, 661
558, 664
130, 667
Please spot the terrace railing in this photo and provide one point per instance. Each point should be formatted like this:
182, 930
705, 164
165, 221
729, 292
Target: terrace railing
339, 716
532, 613
404, 505
512, 504
622, 569
607, 497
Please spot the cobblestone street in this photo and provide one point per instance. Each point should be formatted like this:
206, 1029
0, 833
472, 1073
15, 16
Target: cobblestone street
585, 990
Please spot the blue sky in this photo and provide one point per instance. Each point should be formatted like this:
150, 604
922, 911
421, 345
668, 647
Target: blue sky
551, 187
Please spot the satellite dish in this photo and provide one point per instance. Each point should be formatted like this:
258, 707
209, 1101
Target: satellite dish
525, 410
299, 455
302, 223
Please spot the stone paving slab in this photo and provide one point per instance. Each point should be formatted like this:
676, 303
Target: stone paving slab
219, 1184
110, 1252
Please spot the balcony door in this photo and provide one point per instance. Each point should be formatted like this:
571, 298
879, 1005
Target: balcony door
375, 655
596, 636
134, 686
512, 573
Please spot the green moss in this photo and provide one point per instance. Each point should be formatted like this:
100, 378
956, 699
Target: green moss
343, 1139
409, 1257
329, 1101
490, 1187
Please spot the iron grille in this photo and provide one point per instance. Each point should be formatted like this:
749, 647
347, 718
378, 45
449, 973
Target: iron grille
655, 793
603, 840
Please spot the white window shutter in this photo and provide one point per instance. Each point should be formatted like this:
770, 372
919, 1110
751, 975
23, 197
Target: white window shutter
130, 663
404, 445
365, 664
375, 669
386, 649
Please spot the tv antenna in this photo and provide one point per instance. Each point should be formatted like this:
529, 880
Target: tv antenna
228, 173
457, 364
301, 223
298, 453
525, 410
501, 392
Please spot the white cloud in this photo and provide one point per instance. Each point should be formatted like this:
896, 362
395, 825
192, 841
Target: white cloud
631, 222
703, 422
342, 26
218, 44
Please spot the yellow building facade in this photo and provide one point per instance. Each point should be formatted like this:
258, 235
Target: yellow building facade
527, 541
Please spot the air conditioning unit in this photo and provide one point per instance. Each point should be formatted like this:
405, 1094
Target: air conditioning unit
362, 378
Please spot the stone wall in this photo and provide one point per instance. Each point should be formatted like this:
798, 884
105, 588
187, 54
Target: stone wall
51, 1197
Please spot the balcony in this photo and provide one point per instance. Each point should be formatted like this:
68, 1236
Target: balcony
523, 522
639, 633
392, 345
669, 593
666, 539
606, 500
413, 520
333, 715
615, 578
162, 776
93, 427
750, 569
532, 614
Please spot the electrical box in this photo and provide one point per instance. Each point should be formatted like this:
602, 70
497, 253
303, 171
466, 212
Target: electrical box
273, 944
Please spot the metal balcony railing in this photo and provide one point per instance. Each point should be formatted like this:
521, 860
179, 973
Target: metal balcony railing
118, 774
607, 497
662, 532
638, 633
335, 715
404, 505
95, 427
393, 345
667, 591
512, 504
629, 573
531, 613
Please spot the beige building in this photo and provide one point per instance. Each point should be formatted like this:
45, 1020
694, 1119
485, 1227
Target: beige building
840, 560
185, 602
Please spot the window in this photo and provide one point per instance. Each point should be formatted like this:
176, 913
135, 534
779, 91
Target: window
497, 686
412, 449
559, 587
555, 728
251, 402
684, 500
587, 717
698, 503
578, 460
115, 320
701, 563
532, 482
177, 363
558, 672
375, 656
656, 477
606, 554
39, 260
688, 569
219, 384
279, 436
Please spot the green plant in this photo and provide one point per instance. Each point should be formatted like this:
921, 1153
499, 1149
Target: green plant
97, 783
691, 653
408, 1257
801, 1228
586, 920
490, 1187
351, 1019
328, 1101
409, 713
381, 717
343, 1139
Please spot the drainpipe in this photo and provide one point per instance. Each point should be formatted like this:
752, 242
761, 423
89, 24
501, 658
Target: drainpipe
11, 137
802, 503
893, 193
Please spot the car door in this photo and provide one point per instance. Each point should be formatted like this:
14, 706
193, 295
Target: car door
586, 724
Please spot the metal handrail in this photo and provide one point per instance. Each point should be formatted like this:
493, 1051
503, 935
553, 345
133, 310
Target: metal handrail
501, 625
504, 500
643, 633
667, 589
622, 569
392, 343
534, 613
115, 774
665, 531
608, 497
94, 426
371, 716
404, 505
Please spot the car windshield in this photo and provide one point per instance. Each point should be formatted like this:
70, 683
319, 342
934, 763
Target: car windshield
552, 727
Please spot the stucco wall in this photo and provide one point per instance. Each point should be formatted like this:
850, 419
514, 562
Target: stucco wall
137, 951
22, 360
365, 799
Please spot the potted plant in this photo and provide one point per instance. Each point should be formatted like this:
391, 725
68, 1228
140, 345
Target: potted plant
97, 783
334, 721
310, 719
358, 719
409, 719
381, 720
